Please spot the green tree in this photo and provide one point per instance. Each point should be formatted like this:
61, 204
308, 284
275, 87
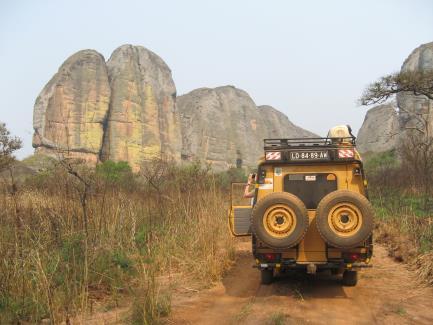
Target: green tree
113, 171
8, 145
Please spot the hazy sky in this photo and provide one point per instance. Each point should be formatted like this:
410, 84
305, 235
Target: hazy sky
309, 59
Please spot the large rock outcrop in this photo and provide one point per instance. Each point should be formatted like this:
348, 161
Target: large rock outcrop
120, 110
223, 127
380, 129
125, 110
385, 125
219, 126
142, 120
278, 125
70, 111
410, 106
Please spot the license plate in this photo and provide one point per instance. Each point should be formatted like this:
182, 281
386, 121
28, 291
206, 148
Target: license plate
309, 155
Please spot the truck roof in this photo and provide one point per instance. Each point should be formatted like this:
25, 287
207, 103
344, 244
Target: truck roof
310, 150
308, 143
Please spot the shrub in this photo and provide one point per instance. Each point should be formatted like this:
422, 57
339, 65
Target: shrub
114, 171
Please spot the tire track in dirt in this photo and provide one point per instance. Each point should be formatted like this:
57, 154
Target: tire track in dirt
388, 293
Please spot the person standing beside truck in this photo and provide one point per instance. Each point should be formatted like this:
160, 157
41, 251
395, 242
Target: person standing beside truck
247, 193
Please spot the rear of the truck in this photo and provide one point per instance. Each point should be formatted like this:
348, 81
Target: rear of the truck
311, 211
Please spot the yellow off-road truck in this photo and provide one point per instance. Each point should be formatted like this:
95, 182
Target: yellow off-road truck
310, 209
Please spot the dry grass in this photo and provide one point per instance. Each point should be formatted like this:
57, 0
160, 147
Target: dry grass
407, 233
59, 256
424, 267
401, 193
403, 246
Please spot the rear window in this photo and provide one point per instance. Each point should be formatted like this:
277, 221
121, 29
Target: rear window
310, 188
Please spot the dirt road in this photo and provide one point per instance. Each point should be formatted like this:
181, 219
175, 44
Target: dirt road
388, 293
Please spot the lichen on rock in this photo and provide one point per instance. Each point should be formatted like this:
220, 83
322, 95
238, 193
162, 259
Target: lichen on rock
142, 122
70, 111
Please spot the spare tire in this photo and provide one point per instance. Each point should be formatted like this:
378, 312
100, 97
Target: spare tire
344, 219
280, 220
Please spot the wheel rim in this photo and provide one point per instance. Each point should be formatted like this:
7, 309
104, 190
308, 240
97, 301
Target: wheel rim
279, 221
345, 219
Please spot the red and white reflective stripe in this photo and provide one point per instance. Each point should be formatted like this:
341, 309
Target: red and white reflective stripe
345, 153
274, 155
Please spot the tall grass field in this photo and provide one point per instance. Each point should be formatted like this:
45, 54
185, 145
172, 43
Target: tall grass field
68, 242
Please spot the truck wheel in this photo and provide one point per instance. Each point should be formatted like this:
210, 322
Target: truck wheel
280, 220
350, 278
344, 219
267, 276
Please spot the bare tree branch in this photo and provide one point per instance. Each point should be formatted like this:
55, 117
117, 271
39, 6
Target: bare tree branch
418, 83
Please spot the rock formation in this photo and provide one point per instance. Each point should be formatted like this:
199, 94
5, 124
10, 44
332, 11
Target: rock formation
385, 120
69, 113
142, 120
278, 125
421, 59
121, 110
125, 110
223, 127
219, 126
379, 131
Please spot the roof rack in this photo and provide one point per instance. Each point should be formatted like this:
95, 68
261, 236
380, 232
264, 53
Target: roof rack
272, 144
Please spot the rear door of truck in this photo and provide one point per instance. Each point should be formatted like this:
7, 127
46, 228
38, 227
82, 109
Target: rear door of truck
240, 211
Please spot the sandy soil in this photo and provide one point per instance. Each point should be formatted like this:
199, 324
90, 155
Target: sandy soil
388, 293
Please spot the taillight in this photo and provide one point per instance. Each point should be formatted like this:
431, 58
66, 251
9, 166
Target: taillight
352, 257
273, 155
346, 153
270, 256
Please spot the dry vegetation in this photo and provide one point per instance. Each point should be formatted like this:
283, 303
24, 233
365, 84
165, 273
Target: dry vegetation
402, 187
402, 195
72, 236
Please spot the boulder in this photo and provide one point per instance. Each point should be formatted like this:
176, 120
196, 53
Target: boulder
421, 59
219, 127
384, 126
142, 122
125, 110
380, 129
223, 127
278, 125
70, 111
